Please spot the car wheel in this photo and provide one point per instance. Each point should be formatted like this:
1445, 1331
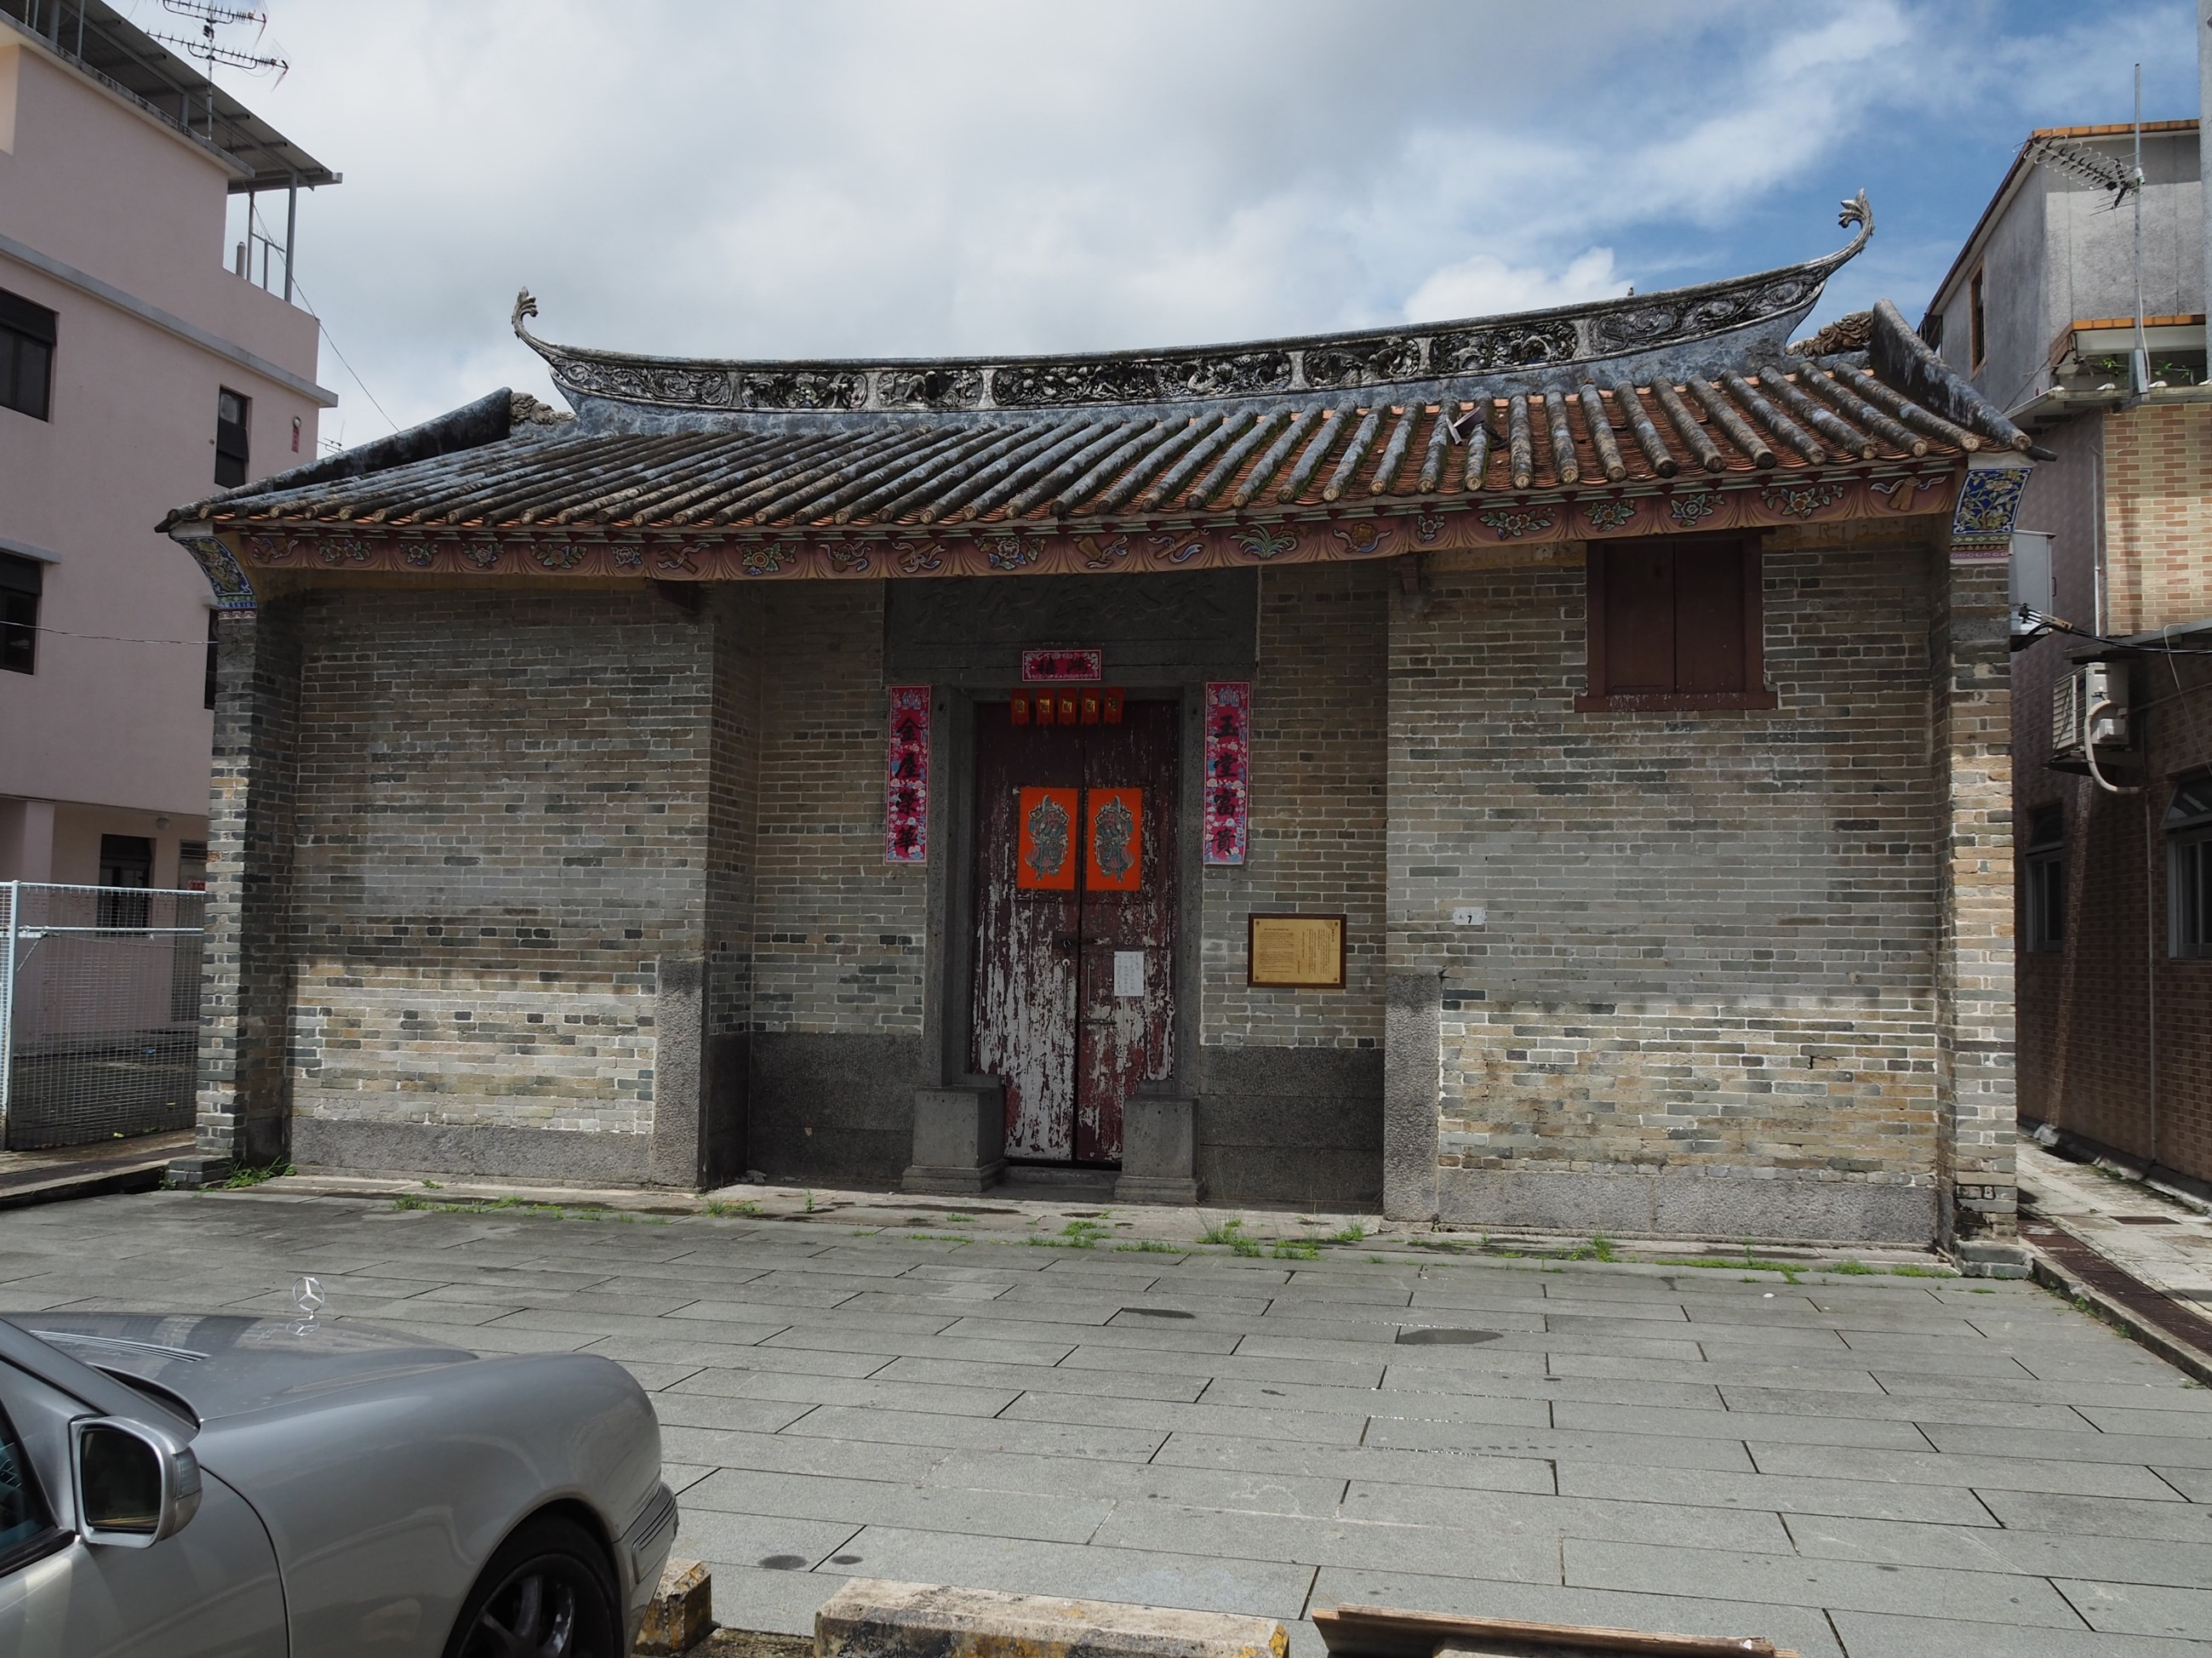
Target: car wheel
546, 1594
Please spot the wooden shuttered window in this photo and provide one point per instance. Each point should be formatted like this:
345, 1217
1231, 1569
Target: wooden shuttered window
1675, 624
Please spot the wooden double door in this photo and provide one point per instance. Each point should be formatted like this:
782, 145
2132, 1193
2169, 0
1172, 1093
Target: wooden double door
1075, 915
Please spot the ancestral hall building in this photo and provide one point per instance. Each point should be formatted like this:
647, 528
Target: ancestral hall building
1538, 770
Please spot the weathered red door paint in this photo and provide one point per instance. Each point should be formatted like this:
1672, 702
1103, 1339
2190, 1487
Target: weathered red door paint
1074, 991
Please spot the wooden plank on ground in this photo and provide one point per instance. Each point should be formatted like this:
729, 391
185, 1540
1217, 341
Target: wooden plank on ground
1380, 1632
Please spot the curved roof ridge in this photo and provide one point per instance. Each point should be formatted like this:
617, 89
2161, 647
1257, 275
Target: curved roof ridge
1742, 319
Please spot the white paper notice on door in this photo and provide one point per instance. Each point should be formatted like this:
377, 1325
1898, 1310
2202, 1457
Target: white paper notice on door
1129, 973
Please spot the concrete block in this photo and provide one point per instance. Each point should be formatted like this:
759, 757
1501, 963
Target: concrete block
192, 1173
959, 1139
1992, 1259
1159, 1150
872, 1618
681, 1612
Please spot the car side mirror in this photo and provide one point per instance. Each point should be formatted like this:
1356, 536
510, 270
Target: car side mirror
136, 1484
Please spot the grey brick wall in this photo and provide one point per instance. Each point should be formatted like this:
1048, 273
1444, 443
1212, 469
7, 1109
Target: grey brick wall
1319, 763
499, 849
838, 934
500, 831
1709, 935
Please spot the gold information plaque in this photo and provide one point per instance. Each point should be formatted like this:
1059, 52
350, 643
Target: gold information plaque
1303, 952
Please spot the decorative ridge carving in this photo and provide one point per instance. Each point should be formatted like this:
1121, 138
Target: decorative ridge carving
1468, 348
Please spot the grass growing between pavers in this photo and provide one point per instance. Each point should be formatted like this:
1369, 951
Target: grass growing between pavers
1078, 1234
240, 1180
598, 1212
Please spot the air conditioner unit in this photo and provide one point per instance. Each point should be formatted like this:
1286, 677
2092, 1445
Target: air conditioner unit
2098, 688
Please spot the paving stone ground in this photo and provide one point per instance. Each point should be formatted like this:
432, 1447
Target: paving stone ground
1875, 1466
2165, 1241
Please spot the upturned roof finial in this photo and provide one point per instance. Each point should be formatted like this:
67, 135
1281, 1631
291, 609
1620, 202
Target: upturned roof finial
526, 305
1857, 210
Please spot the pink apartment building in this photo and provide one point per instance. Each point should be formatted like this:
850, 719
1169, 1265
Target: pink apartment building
148, 349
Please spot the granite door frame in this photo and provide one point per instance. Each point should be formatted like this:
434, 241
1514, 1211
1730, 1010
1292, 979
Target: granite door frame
948, 992
1164, 635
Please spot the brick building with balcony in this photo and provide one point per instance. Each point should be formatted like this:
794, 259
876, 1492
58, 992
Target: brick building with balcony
2115, 834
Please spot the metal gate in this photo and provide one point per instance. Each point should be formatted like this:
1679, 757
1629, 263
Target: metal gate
100, 1012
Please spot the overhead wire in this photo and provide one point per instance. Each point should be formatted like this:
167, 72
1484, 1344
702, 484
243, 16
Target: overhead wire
253, 218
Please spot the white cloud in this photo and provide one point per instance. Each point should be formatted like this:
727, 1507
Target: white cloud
741, 178
1483, 285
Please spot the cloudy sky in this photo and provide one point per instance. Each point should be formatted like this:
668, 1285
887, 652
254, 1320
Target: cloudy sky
726, 178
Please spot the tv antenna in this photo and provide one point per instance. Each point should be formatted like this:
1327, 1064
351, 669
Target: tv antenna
211, 51
2085, 166
2124, 180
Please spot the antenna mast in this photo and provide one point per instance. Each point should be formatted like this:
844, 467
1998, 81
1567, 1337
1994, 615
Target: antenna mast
2141, 366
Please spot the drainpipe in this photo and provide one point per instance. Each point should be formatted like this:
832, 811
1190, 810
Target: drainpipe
2204, 103
8, 994
292, 225
2150, 956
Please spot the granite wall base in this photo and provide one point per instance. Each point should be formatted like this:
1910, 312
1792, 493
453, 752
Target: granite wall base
1292, 1125
1653, 1204
557, 1157
834, 1109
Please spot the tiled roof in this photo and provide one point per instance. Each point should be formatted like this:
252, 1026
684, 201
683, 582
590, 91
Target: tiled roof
1296, 453
1695, 383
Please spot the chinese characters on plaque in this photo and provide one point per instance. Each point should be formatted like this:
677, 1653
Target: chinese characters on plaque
1300, 952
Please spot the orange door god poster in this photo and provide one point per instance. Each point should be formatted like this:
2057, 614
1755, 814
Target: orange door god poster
1114, 850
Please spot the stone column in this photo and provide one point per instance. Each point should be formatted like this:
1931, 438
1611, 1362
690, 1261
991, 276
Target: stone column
243, 1115
1413, 1072
1972, 760
679, 1156
1413, 992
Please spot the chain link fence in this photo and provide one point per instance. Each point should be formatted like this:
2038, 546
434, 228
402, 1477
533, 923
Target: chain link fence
100, 1012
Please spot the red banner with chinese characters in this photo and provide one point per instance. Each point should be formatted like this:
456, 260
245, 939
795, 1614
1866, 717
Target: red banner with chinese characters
1094, 705
1228, 770
906, 778
1059, 667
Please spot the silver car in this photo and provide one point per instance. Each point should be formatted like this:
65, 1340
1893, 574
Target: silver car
262, 1487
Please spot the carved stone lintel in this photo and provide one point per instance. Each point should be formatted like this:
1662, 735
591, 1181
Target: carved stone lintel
929, 388
802, 388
